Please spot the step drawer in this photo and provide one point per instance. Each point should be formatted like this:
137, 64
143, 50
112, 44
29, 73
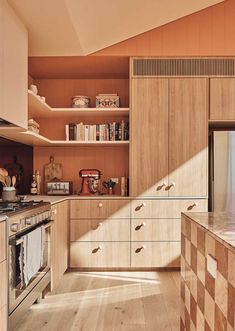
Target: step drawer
99, 255
100, 230
170, 208
167, 229
155, 254
100, 209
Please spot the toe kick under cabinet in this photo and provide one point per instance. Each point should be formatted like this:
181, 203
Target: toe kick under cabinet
128, 233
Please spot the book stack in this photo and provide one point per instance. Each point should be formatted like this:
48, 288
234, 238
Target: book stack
97, 132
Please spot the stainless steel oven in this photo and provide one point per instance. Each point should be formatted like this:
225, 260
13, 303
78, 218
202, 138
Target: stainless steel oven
18, 288
28, 258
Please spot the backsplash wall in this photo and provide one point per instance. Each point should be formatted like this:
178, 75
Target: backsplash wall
18, 159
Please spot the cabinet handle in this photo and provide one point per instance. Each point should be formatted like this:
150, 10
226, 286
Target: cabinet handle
100, 205
97, 249
98, 226
139, 249
161, 186
142, 205
192, 206
138, 227
170, 186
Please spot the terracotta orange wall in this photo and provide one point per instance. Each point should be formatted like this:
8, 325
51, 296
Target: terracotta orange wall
209, 32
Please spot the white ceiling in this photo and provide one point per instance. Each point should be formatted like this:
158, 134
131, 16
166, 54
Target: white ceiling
81, 27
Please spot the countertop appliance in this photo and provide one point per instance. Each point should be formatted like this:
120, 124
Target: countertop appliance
59, 188
90, 181
25, 220
222, 171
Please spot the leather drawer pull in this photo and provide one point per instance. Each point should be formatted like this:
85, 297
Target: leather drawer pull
138, 227
139, 249
140, 206
97, 249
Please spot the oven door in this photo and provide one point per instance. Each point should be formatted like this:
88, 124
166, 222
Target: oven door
18, 290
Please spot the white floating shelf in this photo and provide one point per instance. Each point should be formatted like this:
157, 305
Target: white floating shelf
34, 139
38, 109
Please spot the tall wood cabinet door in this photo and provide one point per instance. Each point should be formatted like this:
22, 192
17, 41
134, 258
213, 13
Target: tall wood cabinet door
59, 242
149, 137
15, 68
188, 136
222, 98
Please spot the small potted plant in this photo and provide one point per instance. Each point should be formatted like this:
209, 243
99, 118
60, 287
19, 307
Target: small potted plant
110, 186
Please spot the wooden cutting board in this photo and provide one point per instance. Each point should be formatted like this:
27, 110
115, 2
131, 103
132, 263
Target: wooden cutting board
52, 170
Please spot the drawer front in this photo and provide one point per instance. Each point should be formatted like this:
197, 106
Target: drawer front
100, 230
2, 241
155, 229
99, 255
3, 284
166, 208
155, 254
100, 209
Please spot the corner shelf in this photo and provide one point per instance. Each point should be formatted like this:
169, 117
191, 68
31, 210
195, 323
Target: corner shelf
35, 139
38, 109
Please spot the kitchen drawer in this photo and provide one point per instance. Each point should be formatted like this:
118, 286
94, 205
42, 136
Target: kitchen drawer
99, 255
156, 229
100, 230
155, 254
2, 241
100, 209
3, 284
170, 208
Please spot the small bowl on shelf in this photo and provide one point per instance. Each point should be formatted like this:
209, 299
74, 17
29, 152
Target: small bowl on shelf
80, 101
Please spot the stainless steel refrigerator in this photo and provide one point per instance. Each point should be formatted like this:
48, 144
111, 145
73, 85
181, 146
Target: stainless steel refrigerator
222, 171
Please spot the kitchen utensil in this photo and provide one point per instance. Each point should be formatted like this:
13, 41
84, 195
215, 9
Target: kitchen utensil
13, 181
3, 172
2, 180
8, 181
90, 181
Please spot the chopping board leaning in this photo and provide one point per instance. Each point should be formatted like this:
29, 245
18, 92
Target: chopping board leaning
52, 170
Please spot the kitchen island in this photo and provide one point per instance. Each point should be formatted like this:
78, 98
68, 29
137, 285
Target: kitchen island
207, 271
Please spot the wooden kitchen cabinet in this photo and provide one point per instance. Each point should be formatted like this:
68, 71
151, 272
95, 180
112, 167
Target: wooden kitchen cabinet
155, 254
99, 209
155, 229
166, 208
2, 241
14, 67
149, 137
100, 255
188, 137
100, 230
168, 155
59, 242
222, 99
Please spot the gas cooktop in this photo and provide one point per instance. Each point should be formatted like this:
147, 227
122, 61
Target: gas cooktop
11, 207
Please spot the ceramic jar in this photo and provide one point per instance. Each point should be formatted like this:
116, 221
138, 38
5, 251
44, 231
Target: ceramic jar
80, 101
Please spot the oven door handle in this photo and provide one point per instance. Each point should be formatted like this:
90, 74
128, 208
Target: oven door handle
16, 242
47, 225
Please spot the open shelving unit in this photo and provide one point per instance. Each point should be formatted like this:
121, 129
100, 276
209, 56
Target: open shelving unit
38, 108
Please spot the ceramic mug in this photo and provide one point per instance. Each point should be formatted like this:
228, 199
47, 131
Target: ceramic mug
34, 88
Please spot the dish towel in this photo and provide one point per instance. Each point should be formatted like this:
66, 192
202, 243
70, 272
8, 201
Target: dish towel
32, 254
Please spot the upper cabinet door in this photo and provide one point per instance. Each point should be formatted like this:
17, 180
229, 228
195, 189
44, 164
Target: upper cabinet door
14, 63
222, 99
149, 137
188, 137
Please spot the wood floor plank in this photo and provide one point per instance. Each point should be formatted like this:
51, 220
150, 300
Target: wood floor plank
108, 301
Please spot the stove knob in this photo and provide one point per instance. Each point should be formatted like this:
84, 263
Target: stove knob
15, 227
29, 221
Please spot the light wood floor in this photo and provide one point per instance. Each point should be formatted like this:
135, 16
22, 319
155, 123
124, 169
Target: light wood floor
122, 301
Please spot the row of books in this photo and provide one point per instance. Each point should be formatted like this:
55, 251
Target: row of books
97, 132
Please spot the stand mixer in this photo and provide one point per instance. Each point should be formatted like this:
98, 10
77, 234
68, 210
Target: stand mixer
90, 181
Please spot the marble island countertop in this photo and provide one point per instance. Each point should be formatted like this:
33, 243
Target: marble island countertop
221, 225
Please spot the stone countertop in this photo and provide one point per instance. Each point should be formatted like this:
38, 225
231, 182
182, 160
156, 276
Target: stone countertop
221, 225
